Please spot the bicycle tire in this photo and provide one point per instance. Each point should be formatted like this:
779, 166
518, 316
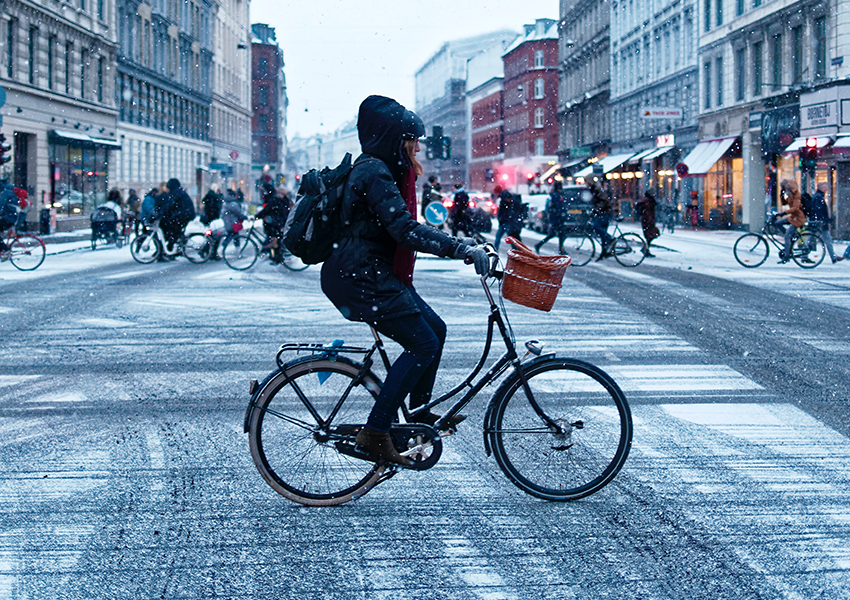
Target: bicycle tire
292, 262
198, 248
808, 250
581, 249
26, 252
580, 461
286, 441
146, 248
629, 249
751, 250
240, 252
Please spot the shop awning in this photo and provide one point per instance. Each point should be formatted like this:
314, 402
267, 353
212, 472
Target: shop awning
609, 163
73, 137
842, 144
639, 156
703, 157
549, 172
657, 152
801, 142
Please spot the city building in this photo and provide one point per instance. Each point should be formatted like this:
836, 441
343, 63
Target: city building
231, 156
269, 103
60, 114
486, 147
163, 90
441, 99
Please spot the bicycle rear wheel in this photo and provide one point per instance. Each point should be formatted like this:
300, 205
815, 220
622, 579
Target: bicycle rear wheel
293, 446
240, 252
146, 248
595, 436
198, 248
292, 262
27, 252
751, 250
629, 249
581, 248
808, 250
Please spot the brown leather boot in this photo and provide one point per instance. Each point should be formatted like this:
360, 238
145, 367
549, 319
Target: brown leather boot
429, 418
380, 444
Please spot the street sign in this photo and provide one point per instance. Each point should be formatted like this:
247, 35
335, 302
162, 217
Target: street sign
234, 154
682, 169
436, 213
2, 95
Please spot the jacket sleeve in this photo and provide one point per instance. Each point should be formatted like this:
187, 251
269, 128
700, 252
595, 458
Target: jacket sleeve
385, 201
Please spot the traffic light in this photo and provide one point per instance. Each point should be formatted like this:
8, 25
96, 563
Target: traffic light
4, 148
809, 155
445, 148
438, 146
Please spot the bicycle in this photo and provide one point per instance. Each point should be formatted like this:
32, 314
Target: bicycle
752, 249
150, 246
25, 251
241, 251
559, 428
629, 249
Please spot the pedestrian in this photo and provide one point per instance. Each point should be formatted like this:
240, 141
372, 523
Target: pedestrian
426, 192
212, 204
556, 212
459, 212
601, 213
793, 216
147, 210
647, 219
369, 275
274, 214
509, 215
819, 220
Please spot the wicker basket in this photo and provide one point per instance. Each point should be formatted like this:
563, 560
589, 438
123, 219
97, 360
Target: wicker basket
530, 279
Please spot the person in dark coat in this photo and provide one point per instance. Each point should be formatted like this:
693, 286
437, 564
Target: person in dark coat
602, 210
274, 214
459, 212
369, 275
212, 202
647, 219
819, 220
509, 215
556, 212
175, 210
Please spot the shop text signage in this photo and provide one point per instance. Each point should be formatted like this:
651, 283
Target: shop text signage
663, 141
822, 114
661, 112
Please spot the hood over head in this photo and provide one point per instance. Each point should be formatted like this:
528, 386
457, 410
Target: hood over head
172, 184
382, 125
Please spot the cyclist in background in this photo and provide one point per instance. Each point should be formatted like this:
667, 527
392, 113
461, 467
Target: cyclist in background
819, 220
794, 216
602, 209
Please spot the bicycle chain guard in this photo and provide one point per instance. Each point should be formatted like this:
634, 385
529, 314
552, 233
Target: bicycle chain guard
420, 443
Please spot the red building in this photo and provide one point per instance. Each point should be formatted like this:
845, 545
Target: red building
530, 107
487, 133
268, 99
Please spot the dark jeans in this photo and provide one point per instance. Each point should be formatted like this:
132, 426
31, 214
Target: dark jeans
600, 226
509, 229
422, 336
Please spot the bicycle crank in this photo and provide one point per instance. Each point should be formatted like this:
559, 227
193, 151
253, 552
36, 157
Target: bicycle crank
420, 443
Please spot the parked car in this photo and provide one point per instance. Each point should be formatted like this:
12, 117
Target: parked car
579, 208
535, 214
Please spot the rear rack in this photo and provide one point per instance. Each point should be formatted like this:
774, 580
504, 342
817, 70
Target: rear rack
328, 350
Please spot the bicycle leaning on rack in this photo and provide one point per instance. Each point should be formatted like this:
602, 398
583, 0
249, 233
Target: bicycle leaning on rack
24, 250
559, 428
629, 249
752, 249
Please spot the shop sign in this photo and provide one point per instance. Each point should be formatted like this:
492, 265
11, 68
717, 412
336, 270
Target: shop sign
661, 112
663, 141
779, 127
825, 111
583, 152
822, 114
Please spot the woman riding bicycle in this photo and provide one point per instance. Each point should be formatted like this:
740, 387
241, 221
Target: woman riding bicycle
793, 216
369, 276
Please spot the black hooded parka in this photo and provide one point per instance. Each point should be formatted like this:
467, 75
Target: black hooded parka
358, 277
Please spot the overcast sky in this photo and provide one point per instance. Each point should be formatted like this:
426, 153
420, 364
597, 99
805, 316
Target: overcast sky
337, 52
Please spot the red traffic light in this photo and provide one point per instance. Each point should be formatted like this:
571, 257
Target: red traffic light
812, 142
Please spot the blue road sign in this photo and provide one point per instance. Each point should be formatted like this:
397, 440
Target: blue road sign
436, 213
2, 95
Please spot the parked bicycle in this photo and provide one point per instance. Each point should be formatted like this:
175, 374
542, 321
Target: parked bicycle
628, 249
752, 249
150, 245
25, 251
559, 428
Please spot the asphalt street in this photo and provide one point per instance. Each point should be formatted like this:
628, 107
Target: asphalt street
126, 473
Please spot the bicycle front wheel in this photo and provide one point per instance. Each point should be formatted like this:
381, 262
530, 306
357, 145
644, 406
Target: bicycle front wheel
751, 250
295, 447
808, 250
146, 248
629, 249
240, 252
198, 248
27, 252
590, 444
581, 248
292, 262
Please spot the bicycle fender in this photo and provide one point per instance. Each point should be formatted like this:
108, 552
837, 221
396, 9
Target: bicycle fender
255, 390
500, 391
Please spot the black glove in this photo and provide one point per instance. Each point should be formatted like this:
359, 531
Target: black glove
475, 256
467, 241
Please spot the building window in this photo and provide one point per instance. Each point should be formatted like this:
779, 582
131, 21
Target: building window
757, 66
100, 6
707, 11
718, 76
263, 68
10, 48
706, 74
51, 41
719, 7
538, 58
538, 118
100, 79
82, 4
33, 49
777, 62
263, 95
739, 7
797, 53
83, 59
740, 73
539, 147
69, 52
756, 3
538, 88
820, 48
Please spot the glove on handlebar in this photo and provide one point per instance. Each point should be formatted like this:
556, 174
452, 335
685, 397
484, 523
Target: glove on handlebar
475, 256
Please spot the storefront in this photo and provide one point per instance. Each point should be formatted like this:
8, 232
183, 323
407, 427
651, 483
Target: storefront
79, 166
623, 181
717, 194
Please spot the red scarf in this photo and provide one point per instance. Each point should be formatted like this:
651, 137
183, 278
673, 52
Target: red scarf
404, 258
